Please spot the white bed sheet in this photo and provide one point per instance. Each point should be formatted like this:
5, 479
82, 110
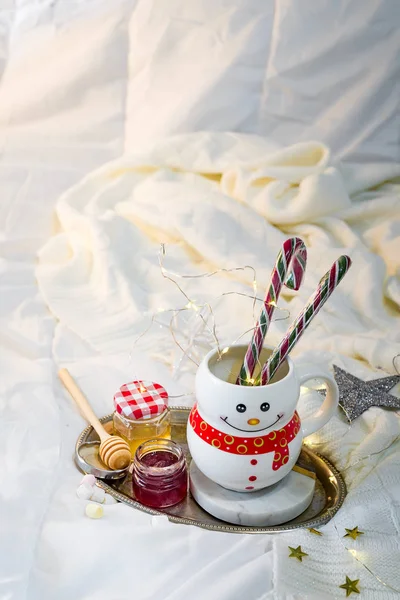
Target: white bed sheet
69, 102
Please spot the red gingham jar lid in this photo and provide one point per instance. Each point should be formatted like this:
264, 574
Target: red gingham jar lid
140, 400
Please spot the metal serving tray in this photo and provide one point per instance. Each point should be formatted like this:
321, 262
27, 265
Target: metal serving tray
330, 489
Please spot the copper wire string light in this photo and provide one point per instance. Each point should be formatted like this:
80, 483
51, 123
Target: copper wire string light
203, 312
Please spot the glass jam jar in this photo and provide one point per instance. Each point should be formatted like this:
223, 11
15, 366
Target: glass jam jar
159, 473
141, 413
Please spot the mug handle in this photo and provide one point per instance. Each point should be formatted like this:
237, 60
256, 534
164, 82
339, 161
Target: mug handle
325, 412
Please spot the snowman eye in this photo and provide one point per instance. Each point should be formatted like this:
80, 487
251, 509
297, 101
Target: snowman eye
264, 406
241, 408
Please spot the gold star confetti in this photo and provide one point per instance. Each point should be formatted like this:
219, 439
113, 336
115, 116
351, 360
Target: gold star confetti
353, 533
350, 586
314, 531
297, 553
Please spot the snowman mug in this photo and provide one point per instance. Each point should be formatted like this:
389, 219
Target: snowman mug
246, 438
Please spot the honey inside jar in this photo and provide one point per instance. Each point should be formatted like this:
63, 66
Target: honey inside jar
135, 432
141, 413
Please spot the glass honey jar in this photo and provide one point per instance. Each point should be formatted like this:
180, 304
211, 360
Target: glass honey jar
141, 413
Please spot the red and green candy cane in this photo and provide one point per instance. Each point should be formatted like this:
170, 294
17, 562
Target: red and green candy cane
326, 286
288, 270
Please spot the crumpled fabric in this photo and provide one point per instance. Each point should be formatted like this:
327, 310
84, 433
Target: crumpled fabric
82, 82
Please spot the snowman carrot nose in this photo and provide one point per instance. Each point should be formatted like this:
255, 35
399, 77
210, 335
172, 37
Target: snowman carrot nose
253, 421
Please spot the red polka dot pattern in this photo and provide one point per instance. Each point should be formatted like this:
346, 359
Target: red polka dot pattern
275, 441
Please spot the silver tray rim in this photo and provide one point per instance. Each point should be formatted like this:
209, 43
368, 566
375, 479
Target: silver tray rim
324, 517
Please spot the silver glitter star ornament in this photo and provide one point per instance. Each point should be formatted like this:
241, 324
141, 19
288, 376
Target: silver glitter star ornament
356, 395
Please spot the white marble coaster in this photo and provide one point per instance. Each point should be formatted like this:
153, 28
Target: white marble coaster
271, 506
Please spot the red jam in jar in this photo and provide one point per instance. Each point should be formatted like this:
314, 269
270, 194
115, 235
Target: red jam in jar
159, 473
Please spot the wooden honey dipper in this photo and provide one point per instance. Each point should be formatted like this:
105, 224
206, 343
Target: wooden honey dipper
113, 451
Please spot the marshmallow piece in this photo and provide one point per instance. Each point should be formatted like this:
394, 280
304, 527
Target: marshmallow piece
108, 499
94, 511
84, 492
98, 494
88, 480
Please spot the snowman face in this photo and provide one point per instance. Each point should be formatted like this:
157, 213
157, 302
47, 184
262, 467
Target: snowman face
251, 418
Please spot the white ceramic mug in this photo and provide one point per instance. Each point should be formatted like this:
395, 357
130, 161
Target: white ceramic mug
246, 438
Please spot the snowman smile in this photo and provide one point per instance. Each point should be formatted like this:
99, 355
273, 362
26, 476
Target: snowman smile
225, 420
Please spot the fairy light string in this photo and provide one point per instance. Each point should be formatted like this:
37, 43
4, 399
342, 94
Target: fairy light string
191, 304
355, 554
203, 312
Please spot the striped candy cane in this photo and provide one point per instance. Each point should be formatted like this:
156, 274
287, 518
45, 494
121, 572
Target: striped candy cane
327, 284
288, 270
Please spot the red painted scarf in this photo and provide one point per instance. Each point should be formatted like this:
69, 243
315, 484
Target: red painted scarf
275, 441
